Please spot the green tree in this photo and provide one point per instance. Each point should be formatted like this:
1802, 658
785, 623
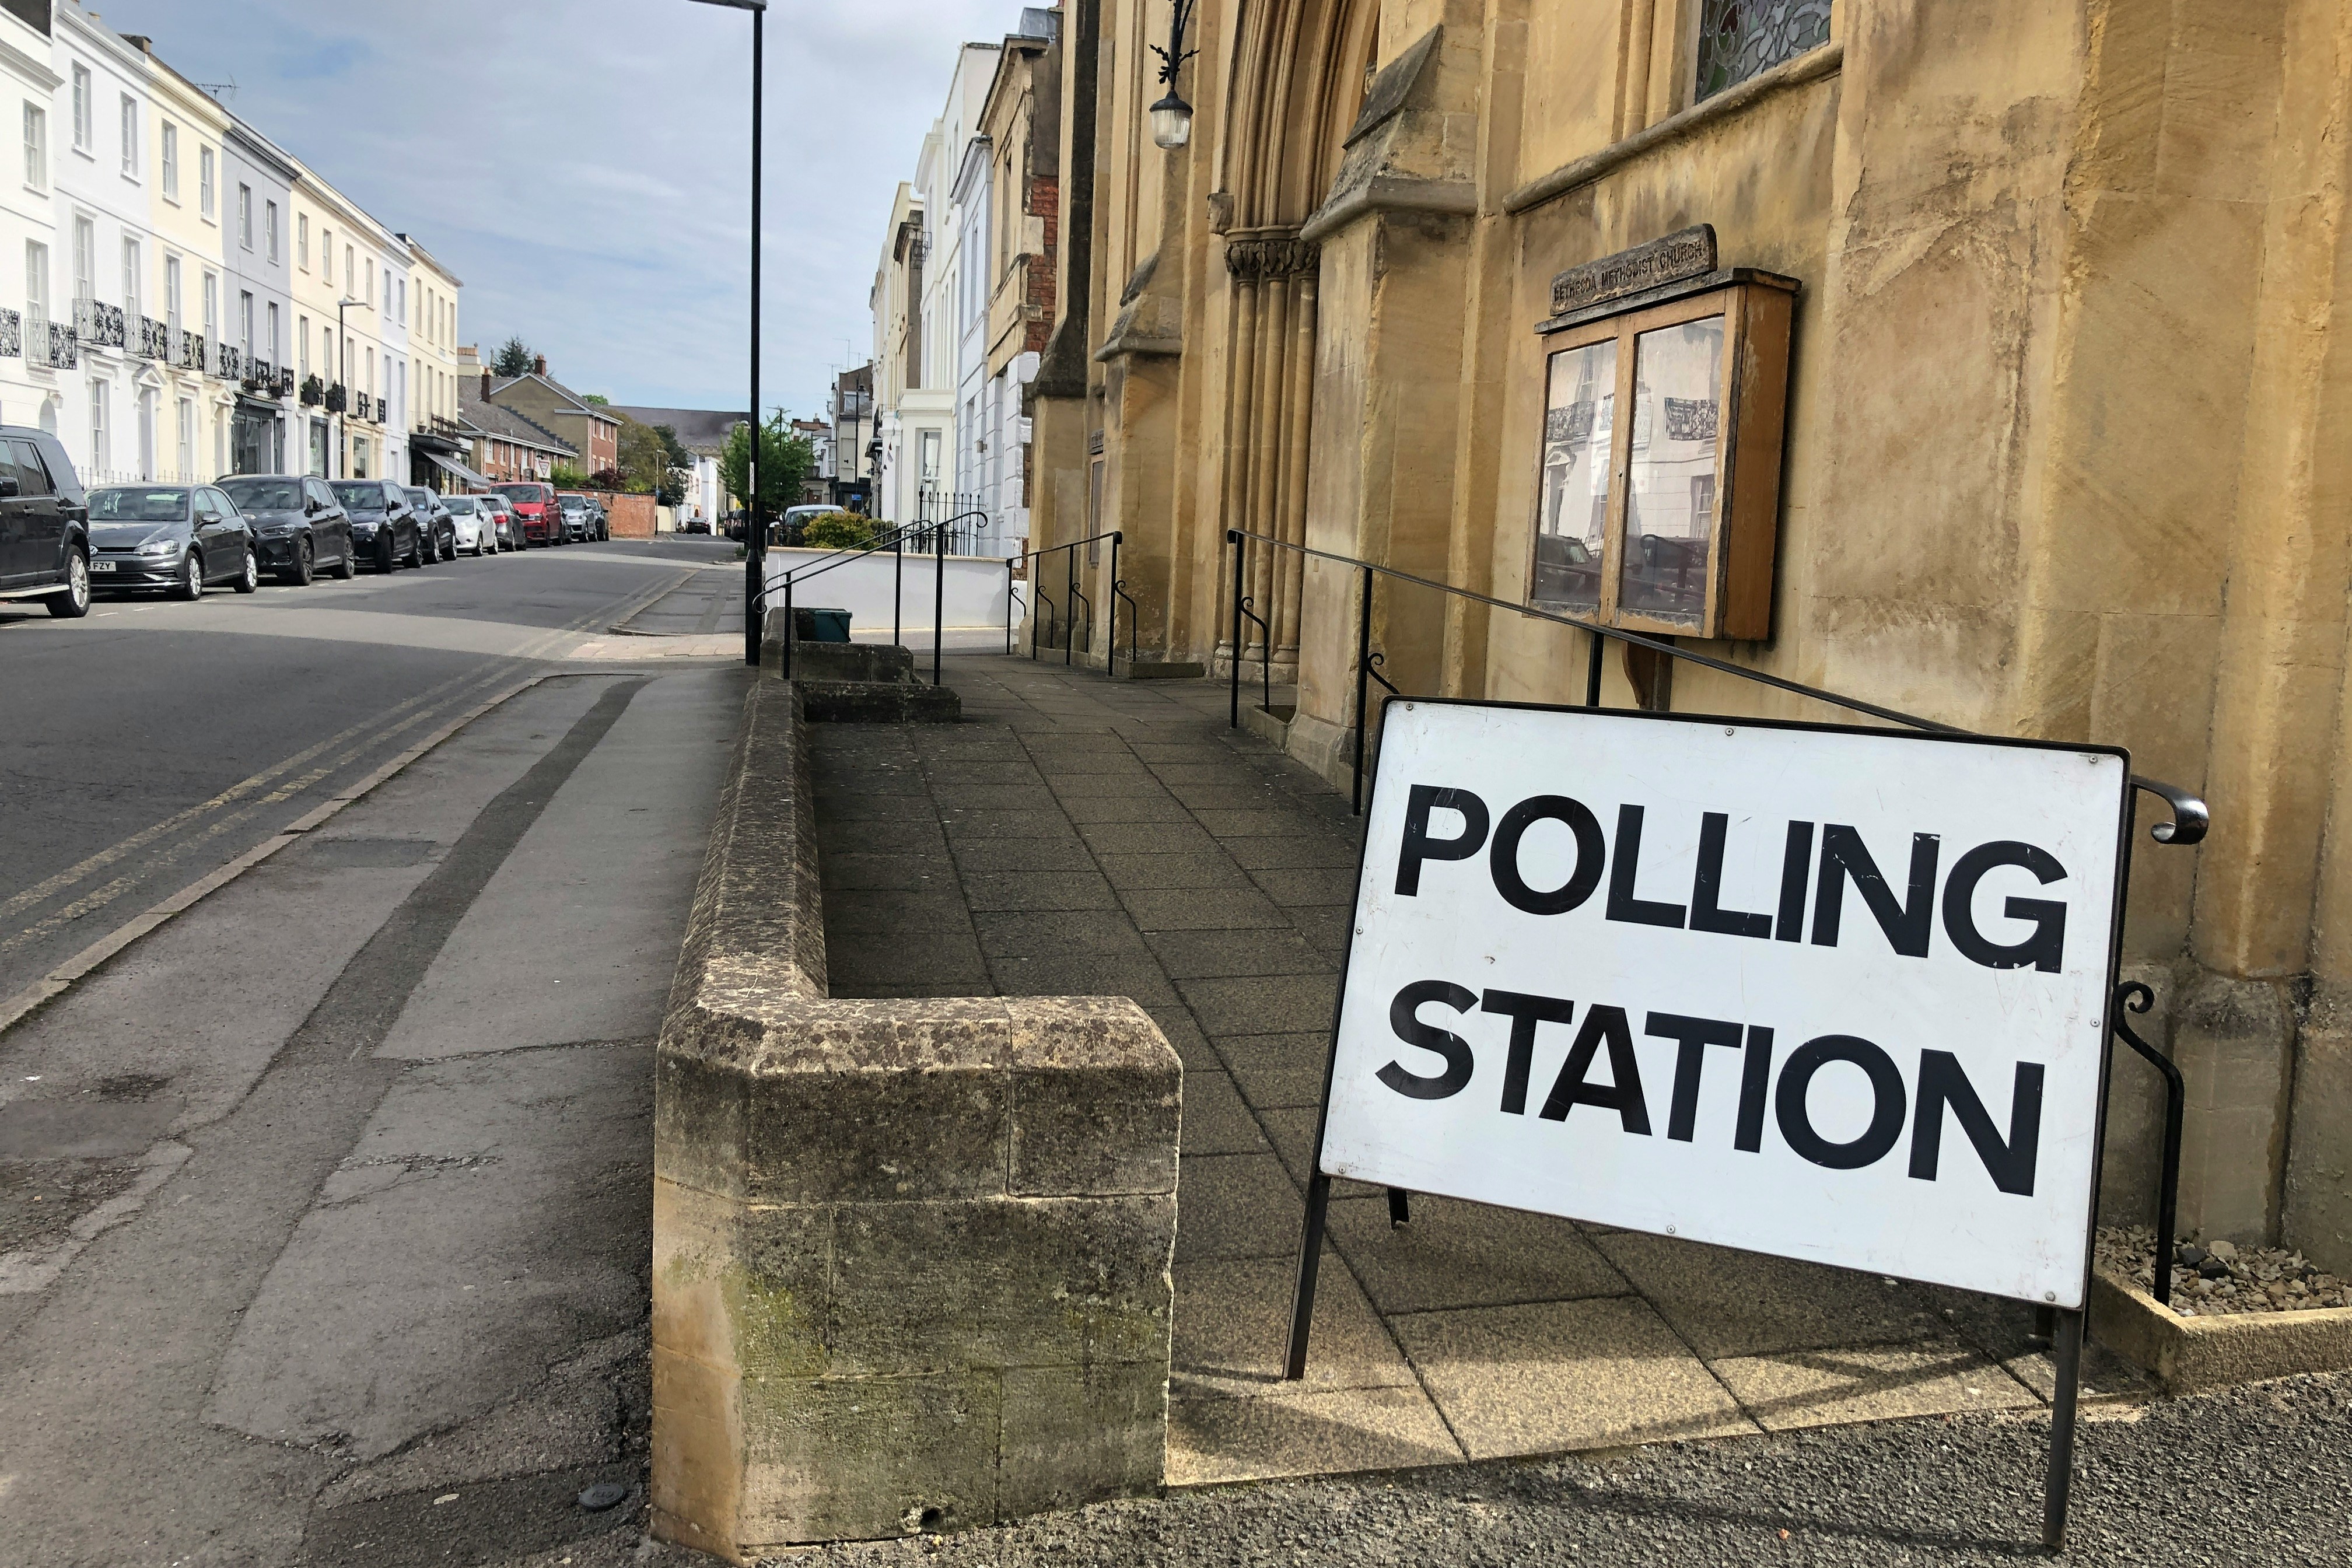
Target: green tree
598, 398
515, 358
785, 460
643, 458
564, 477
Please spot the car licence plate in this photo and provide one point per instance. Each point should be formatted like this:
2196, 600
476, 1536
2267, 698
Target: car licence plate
102, 565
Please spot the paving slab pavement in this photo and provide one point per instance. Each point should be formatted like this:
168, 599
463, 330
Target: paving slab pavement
1080, 836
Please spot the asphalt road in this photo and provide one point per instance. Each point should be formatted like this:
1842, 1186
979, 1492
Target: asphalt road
153, 742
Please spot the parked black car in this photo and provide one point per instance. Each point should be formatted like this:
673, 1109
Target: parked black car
299, 526
384, 525
178, 538
44, 524
440, 527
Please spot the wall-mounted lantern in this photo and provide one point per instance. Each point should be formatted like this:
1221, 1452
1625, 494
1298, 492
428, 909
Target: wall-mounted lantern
1171, 116
1664, 521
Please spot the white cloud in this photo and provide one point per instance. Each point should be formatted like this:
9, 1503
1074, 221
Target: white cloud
584, 164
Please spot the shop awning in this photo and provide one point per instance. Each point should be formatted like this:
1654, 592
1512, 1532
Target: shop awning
460, 470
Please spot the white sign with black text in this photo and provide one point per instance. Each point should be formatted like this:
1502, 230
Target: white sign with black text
1826, 993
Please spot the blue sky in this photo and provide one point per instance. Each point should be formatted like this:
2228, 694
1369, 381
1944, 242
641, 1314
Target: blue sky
583, 165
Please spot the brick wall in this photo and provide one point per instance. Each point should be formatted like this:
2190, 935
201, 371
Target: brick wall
632, 516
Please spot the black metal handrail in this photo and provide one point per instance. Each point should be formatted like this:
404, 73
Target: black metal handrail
846, 554
2189, 818
1072, 596
1242, 612
2138, 998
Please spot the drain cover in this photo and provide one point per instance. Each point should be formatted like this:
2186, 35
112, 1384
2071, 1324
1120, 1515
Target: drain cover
603, 1495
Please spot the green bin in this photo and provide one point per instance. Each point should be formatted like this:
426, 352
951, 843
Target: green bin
821, 626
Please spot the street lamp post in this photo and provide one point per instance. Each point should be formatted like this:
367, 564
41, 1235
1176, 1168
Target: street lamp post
344, 358
1171, 116
755, 530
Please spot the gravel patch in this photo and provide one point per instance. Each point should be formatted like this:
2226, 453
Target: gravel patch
2216, 1277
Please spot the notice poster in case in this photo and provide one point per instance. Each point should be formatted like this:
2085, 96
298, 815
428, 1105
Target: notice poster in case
1828, 994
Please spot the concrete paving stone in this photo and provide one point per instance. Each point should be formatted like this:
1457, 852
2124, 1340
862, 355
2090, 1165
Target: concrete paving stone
2004, 1330
993, 892
953, 960
1217, 1122
1137, 978
1147, 838
984, 855
1309, 885
997, 798
837, 782
1258, 822
1547, 1377
1262, 1004
1193, 1047
1188, 954
963, 824
1171, 909
1869, 1382
854, 870
1294, 1432
1157, 807
1205, 768
1457, 1254
1283, 852
1729, 1303
2107, 1378
895, 914
945, 778
1046, 934
1329, 928
1234, 1205
1148, 873
839, 806
1137, 785
1232, 1328
1102, 763
1278, 1071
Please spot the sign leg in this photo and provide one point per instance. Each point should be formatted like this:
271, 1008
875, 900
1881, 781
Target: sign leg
1310, 1256
2061, 1483
1400, 1206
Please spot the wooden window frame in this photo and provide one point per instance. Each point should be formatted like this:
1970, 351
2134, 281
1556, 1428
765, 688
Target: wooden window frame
1752, 400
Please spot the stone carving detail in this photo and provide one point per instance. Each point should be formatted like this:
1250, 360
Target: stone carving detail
1255, 260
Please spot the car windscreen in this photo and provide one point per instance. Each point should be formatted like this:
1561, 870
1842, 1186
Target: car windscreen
461, 506
360, 495
138, 503
263, 495
523, 492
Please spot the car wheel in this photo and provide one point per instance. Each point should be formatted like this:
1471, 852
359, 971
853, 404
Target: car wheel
345, 569
191, 585
74, 602
249, 580
415, 551
383, 561
301, 571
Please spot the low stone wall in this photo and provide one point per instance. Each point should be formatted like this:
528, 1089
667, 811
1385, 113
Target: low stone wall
911, 1258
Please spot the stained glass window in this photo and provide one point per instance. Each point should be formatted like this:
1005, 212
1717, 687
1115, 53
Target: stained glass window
1737, 38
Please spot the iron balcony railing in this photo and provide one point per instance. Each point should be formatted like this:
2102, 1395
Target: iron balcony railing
12, 334
228, 364
98, 324
64, 351
188, 350
336, 398
154, 340
363, 406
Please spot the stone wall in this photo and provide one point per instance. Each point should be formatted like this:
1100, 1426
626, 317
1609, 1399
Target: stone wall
911, 1258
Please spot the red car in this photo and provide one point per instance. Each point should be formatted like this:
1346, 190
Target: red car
535, 508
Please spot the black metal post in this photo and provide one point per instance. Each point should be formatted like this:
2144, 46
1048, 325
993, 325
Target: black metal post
755, 530
1008, 606
1592, 673
1070, 597
1363, 688
1110, 642
1233, 538
898, 582
939, 596
2059, 1489
792, 628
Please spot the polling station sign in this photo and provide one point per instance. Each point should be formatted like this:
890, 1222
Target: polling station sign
1829, 994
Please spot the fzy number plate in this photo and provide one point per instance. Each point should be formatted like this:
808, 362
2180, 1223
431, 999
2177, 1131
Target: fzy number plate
102, 565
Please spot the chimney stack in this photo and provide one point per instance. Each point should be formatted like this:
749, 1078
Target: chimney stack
486, 386
539, 365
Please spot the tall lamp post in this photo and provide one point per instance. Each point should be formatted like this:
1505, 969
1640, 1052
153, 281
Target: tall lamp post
755, 528
344, 355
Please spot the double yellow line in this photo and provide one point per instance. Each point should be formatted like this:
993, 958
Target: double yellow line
353, 743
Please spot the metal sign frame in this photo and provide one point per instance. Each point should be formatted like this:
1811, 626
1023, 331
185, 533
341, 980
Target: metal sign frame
2069, 1326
